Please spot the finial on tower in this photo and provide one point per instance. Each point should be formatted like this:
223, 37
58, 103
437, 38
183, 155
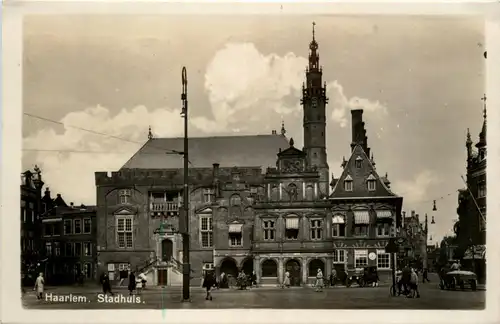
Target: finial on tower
150, 133
283, 130
314, 24
291, 142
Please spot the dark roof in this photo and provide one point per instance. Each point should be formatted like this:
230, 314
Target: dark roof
228, 151
359, 177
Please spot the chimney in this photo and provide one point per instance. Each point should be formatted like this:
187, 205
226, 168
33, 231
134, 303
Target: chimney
215, 171
47, 193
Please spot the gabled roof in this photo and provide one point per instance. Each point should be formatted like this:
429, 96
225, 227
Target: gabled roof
359, 177
228, 151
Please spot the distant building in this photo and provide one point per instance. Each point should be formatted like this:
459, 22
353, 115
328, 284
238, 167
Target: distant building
257, 203
31, 186
414, 250
471, 225
69, 240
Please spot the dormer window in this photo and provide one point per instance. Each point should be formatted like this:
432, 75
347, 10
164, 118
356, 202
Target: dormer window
348, 183
358, 162
371, 181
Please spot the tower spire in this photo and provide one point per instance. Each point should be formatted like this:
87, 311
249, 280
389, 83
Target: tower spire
150, 133
283, 130
482, 135
484, 106
313, 55
314, 24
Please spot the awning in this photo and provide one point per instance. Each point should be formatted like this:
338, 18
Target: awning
51, 220
235, 228
361, 217
384, 214
338, 220
292, 223
477, 252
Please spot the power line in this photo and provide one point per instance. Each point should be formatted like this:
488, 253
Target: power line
168, 151
82, 151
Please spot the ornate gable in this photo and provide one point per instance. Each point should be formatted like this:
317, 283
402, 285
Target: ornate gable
360, 179
204, 210
291, 160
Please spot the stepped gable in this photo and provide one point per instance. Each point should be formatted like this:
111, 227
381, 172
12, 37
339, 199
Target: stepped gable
359, 169
228, 151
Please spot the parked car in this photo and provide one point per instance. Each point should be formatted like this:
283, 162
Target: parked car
459, 278
363, 277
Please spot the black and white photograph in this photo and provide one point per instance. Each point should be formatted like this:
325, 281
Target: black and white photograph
253, 161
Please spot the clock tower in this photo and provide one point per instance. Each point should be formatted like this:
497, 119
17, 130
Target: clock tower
314, 102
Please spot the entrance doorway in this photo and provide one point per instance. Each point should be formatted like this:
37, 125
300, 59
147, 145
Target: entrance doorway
228, 266
162, 277
167, 250
293, 267
248, 266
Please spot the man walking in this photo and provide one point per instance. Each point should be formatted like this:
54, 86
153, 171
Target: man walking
105, 283
39, 285
425, 275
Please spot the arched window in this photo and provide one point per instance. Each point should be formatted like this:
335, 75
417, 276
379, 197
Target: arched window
309, 193
235, 200
269, 268
275, 192
314, 265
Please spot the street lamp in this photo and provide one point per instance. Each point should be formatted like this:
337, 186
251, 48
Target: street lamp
186, 270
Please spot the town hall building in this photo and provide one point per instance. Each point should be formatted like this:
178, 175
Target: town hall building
257, 203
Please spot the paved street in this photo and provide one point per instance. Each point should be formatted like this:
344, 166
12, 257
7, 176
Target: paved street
299, 298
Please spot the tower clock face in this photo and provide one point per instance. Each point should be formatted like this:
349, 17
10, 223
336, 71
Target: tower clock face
314, 102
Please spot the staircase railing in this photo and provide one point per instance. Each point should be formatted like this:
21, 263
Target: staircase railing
178, 264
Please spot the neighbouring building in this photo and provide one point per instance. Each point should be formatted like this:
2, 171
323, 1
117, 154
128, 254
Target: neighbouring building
471, 226
257, 203
69, 241
31, 186
414, 249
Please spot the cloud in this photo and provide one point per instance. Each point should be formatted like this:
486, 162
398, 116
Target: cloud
71, 173
417, 189
340, 104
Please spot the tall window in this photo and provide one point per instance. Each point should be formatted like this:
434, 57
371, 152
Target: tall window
206, 230
78, 226
56, 230
57, 248
338, 226
481, 190
309, 192
348, 185
269, 230
78, 249
87, 225
124, 231
383, 260
124, 195
292, 228
68, 249
23, 214
87, 269
207, 195
338, 256
361, 230
383, 229
235, 240
371, 185
48, 248
235, 200
360, 258
87, 249
68, 227
316, 229
358, 162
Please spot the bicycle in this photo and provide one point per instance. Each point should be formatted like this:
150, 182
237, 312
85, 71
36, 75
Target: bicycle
410, 294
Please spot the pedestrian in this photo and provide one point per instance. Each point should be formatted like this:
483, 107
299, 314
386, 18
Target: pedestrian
254, 279
105, 283
333, 277
425, 275
414, 282
131, 283
319, 280
208, 282
406, 278
286, 280
223, 281
39, 285
143, 279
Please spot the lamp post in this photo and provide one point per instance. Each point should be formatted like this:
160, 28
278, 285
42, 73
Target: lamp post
186, 270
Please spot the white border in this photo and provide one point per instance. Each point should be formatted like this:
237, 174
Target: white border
12, 310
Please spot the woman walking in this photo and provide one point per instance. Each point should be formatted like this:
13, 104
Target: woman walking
319, 280
208, 283
286, 280
39, 283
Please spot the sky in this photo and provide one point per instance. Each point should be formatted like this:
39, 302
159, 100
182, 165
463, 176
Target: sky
418, 78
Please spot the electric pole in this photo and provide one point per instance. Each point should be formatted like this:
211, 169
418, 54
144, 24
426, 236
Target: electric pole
186, 270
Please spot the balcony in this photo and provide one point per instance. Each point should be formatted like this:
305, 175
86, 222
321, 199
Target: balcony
164, 208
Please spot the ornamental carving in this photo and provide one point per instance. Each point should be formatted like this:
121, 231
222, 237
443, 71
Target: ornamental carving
292, 166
